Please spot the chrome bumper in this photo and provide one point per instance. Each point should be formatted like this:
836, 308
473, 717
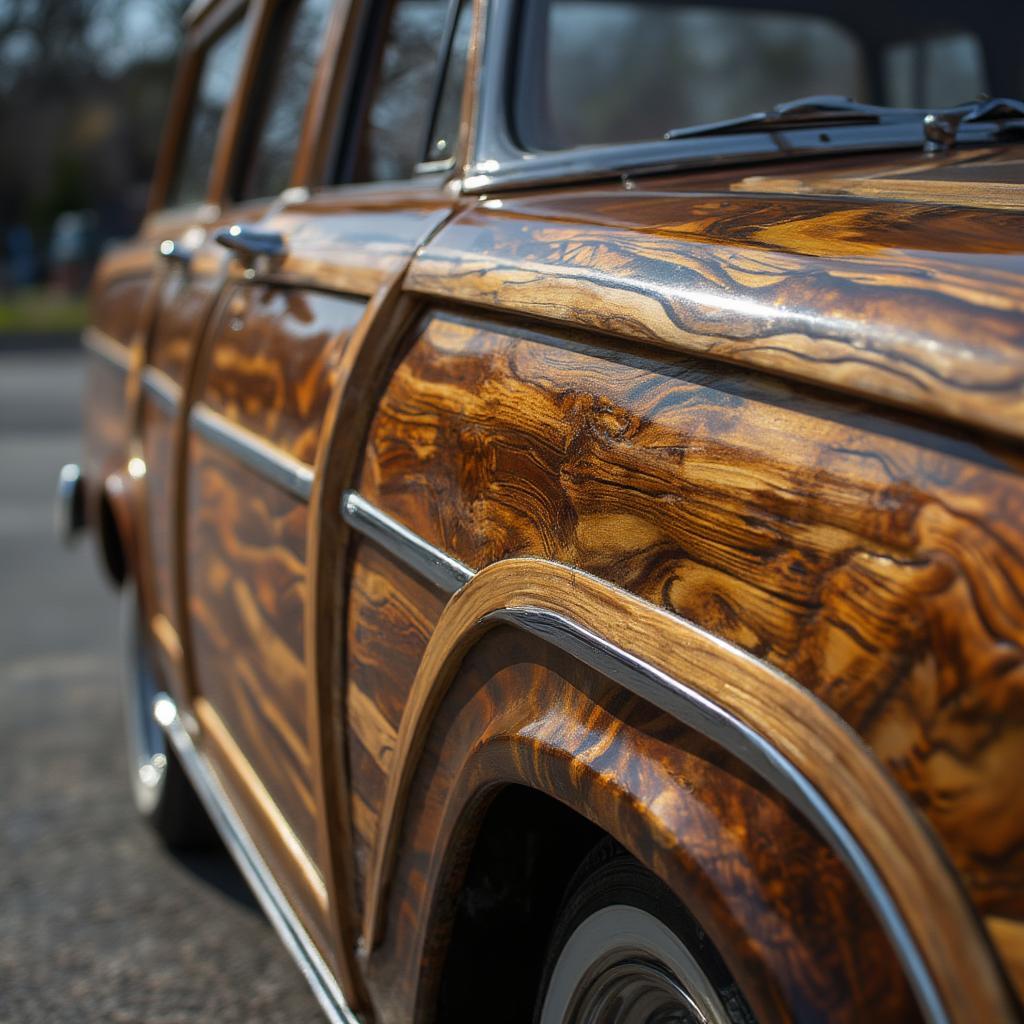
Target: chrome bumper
69, 508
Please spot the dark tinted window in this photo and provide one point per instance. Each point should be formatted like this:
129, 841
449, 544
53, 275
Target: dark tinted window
610, 71
295, 46
402, 93
216, 83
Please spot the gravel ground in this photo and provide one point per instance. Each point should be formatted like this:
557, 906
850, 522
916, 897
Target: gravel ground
97, 921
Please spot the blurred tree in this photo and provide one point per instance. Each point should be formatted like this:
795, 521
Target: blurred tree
83, 87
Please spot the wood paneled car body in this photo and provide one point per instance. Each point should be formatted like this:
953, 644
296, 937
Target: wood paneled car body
572, 528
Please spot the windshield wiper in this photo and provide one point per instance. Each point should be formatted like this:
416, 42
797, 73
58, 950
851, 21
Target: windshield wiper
805, 112
940, 127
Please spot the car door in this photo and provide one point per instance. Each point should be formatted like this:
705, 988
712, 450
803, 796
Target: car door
190, 186
285, 377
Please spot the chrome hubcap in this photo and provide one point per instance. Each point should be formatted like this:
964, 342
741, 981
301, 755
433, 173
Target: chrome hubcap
624, 966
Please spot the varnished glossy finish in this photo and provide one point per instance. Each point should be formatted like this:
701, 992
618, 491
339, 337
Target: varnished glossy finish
771, 412
868, 557
525, 714
919, 304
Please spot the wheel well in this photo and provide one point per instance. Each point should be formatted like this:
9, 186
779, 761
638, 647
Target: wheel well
111, 543
526, 850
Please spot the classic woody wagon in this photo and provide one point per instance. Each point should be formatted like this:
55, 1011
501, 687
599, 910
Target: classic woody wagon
563, 462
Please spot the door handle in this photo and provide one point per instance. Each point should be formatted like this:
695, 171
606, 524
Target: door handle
249, 244
176, 252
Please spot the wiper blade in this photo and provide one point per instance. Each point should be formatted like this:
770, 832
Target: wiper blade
805, 112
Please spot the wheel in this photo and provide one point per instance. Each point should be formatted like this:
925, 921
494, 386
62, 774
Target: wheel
625, 951
161, 790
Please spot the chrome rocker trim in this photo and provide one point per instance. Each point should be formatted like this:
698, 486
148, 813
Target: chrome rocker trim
413, 551
245, 854
274, 465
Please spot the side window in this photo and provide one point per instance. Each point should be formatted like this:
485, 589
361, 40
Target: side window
448, 109
402, 91
216, 83
296, 41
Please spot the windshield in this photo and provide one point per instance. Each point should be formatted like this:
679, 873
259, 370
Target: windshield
594, 72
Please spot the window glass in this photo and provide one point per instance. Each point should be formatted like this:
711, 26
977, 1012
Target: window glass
214, 88
395, 127
295, 47
445, 133
938, 72
614, 71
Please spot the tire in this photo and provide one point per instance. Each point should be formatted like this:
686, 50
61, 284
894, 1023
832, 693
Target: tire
161, 790
625, 951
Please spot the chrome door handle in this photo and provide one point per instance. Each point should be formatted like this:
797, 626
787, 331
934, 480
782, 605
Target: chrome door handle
175, 252
248, 243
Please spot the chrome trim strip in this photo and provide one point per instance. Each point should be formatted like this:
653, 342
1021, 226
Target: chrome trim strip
162, 388
245, 853
269, 462
422, 558
111, 351
704, 716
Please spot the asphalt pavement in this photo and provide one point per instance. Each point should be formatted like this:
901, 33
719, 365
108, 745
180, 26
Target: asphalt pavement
98, 922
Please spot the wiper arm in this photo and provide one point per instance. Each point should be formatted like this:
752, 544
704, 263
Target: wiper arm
941, 127
805, 112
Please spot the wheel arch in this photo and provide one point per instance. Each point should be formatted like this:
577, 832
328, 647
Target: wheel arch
801, 752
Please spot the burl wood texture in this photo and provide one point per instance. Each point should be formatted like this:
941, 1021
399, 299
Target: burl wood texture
876, 560
246, 585
938, 919
275, 359
757, 877
915, 303
391, 616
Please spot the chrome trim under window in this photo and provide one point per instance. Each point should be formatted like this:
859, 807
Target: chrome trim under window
162, 388
110, 350
274, 465
253, 867
416, 554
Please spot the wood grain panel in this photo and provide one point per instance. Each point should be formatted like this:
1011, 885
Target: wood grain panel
755, 875
246, 574
275, 359
876, 561
939, 937
105, 430
355, 240
115, 308
184, 304
158, 431
914, 303
391, 616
